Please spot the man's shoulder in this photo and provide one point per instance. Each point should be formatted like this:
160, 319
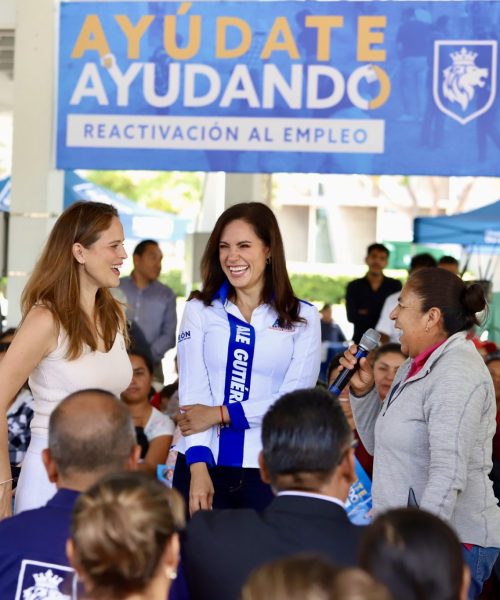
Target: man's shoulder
359, 282
290, 522
163, 289
22, 520
125, 281
33, 542
394, 285
221, 520
35, 522
281, 508
217, 526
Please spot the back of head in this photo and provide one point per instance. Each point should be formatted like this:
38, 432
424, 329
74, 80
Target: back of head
355, 584
419, 261
120, 529
90, 432
414, 554
294, 578
450, 263
458, 302
304, 437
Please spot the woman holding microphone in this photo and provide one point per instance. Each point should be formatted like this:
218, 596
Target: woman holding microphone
431, 438
244, 341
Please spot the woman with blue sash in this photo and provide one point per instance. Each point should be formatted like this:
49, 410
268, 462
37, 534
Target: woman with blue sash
244, 341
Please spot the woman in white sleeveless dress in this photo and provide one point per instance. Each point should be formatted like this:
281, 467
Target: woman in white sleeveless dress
71, 336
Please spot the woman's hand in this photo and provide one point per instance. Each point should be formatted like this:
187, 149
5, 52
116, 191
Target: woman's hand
201, 490
362, 381
194, 418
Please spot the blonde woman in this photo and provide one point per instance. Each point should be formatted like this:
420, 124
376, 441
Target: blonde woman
310, 577
71, 336
124, 542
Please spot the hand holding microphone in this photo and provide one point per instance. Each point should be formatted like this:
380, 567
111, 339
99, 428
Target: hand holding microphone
357, 370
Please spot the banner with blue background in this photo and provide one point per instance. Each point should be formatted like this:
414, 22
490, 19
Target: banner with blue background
325, 87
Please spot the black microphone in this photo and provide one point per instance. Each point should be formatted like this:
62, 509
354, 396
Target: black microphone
369, 342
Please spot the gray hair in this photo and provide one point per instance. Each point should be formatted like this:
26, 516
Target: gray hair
91, 431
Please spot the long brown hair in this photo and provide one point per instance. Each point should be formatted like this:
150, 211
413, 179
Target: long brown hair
55, 283
277, 287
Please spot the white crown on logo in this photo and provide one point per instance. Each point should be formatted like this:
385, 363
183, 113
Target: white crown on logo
47, 580
464, 58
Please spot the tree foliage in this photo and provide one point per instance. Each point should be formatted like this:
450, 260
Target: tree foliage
319, 288
162, 190
173, 279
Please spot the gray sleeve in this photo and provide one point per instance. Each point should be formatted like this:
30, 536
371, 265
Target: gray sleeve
166, 336
365, 410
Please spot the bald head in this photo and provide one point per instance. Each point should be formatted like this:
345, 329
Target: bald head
90, 432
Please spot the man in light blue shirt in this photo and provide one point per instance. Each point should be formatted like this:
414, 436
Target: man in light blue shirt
150, 304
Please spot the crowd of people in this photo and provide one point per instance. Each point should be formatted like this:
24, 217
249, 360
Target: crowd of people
233, 482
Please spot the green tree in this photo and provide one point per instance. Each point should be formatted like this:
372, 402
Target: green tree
318, 288
162, 190
173, 279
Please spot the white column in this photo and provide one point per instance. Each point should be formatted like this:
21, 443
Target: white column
37, 188
246, 187
214, 190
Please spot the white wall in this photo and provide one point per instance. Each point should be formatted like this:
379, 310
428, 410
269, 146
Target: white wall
7, 14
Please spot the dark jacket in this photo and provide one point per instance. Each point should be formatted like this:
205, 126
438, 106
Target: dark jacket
221, 548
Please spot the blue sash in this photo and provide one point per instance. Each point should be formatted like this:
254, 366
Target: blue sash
359, 502
237, 388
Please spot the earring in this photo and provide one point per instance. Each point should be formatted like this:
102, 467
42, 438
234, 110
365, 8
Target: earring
170, 573
427, 328
268, 260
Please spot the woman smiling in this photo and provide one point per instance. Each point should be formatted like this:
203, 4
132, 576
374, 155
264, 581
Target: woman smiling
71, 336
245, 340
432, 435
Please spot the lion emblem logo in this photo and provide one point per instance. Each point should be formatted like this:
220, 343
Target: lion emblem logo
456, 85
46, 587
461, 78
45, 581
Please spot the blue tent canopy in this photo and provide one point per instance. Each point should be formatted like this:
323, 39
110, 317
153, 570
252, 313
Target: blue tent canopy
138, 221
478, 228
5, 194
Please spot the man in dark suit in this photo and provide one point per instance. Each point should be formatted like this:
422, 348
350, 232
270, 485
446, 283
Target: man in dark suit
308, 459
